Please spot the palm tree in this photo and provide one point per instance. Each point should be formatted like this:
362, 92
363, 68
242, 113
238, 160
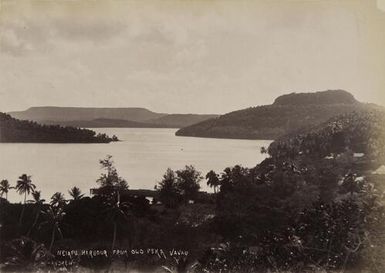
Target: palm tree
4, 188
226, 181
116, 212
212, 180
39, 204
57, 200
54, 217
24, 186
76, 193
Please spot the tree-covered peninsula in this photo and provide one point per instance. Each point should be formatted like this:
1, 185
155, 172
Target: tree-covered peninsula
14, 130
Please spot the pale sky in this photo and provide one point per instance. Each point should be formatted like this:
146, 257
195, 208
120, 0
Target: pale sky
183, 56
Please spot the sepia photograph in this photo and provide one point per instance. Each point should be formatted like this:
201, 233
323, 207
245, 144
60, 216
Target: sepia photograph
192, 136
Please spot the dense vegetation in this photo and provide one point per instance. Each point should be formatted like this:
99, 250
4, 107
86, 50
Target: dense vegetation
287, 114
14, 130
315, 204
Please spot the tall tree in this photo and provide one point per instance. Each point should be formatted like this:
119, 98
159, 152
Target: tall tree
226, 182
24, 186
54, 217
39, 204
76, 193
212, 180
58, 200
111, 178
118, 213
188, 182
4, 188
169, 193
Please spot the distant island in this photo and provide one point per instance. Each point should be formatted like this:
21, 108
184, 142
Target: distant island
14, 130
88, 117
287, 114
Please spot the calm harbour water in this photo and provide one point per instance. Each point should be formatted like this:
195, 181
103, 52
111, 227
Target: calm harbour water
141, 158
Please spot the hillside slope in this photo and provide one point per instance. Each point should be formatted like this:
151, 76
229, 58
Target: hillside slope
287, 114
361, 132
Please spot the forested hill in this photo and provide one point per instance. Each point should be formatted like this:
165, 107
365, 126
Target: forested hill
360, 132
14, 130
321, 186
287, 114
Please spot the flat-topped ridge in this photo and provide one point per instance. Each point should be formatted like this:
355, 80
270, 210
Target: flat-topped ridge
321, 97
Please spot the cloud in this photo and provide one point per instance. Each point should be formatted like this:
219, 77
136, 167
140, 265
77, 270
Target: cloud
18, 37
83, 29
27, 36
11, 43
168, 55
32, 28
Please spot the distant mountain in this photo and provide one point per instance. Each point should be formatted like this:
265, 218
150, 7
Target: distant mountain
53, 114
103, 123
108, 117
14, 130
168, 121
287, 114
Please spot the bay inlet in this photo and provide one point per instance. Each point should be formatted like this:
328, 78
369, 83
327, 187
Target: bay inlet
141, 157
